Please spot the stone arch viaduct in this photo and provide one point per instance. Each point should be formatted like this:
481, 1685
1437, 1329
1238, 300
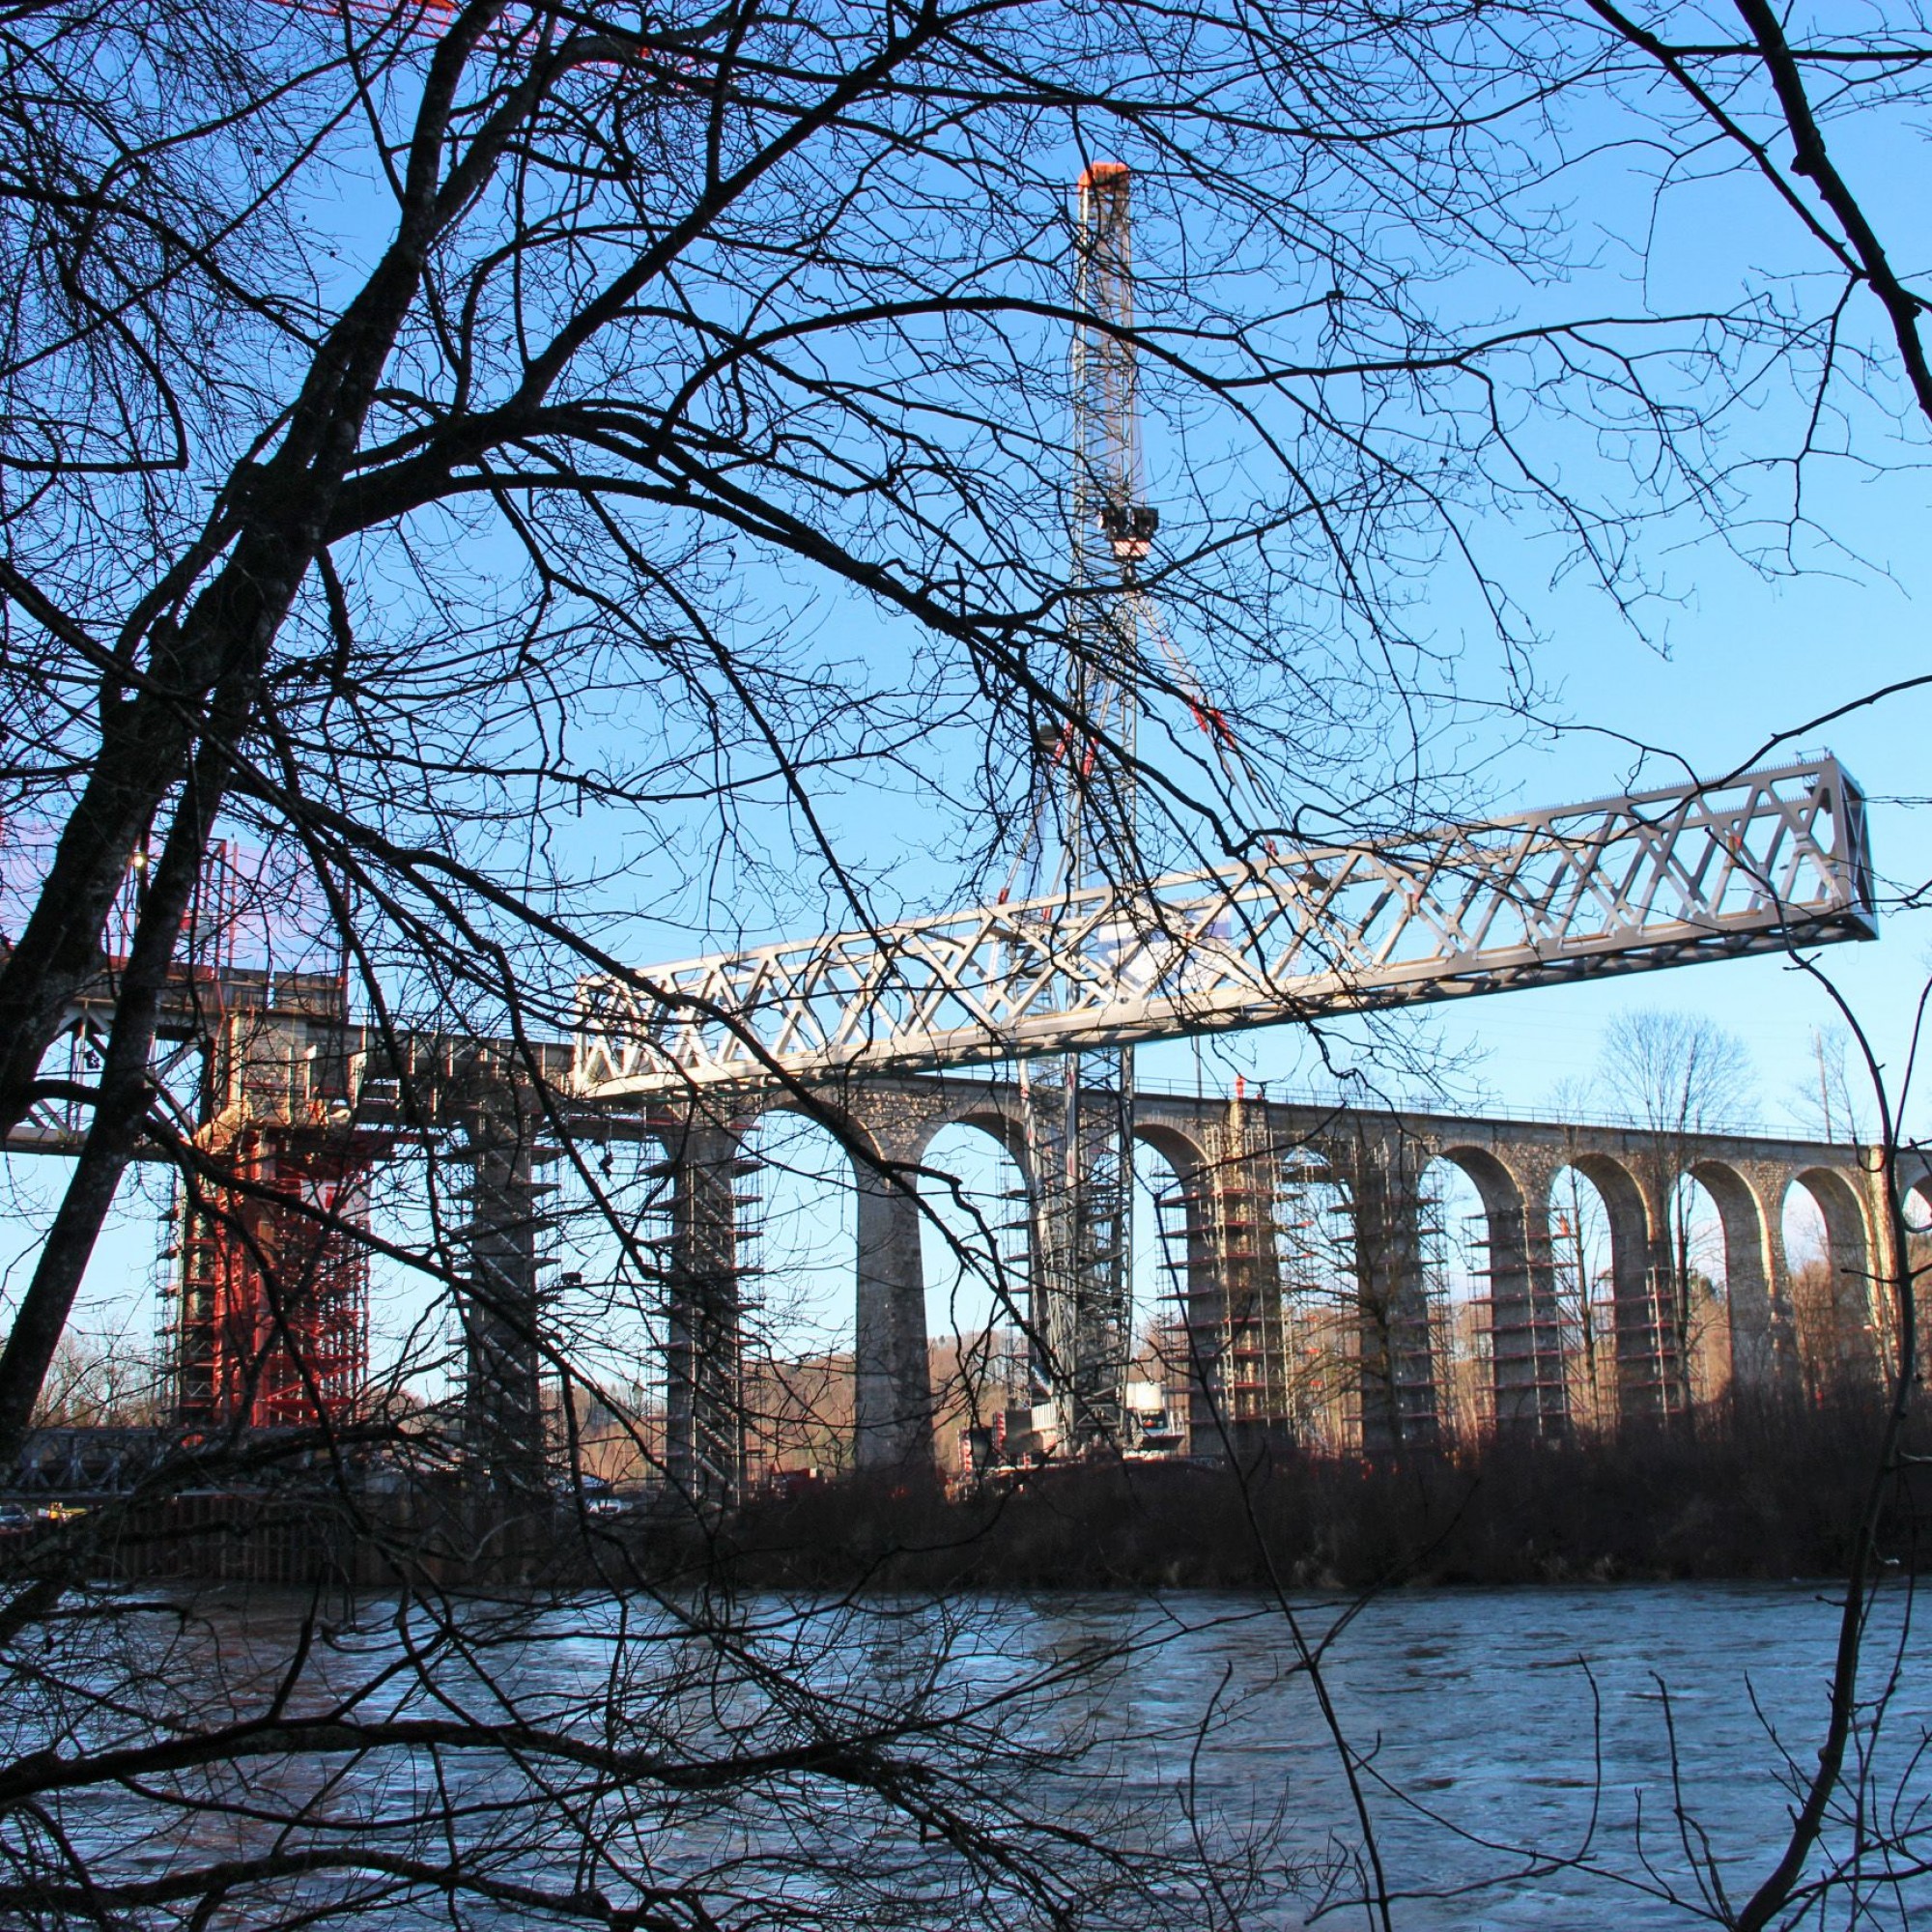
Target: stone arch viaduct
305, 1068
1229, 1154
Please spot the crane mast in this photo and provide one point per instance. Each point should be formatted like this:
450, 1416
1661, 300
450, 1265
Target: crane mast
1078, 1107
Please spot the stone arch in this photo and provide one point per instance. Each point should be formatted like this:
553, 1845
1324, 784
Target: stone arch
1623, 1200
963, 1157
891, 1393
799, 1150
1525, 1325
796, 1191
1914, 1179
971, 1300
1315, 1255
1756, 1323
1000, 1126
1646, 1374
1839, 1200
1493, 1181
1186, 1258
1838, 1317
1183, 1151
891, 1127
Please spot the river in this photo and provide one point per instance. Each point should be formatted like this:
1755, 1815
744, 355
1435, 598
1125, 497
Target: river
1556, 1757
1511, 1730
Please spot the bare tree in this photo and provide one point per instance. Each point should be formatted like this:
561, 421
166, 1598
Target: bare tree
433, 437
112, 1380
1825, 1098
1679, 1076
347, 536
533, 470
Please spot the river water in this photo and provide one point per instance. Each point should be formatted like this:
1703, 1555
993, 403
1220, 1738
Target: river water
1553, 1757
1557, 1757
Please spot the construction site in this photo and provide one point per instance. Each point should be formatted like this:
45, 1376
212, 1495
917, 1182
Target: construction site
1308, 1293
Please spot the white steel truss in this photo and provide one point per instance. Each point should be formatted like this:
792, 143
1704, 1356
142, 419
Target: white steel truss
1658, 878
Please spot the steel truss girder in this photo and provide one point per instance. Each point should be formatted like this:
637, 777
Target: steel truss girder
1754, 864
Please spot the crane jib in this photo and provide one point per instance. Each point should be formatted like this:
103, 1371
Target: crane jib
1753, 864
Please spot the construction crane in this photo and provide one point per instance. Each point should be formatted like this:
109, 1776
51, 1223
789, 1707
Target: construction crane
1077, 1107
1065, 979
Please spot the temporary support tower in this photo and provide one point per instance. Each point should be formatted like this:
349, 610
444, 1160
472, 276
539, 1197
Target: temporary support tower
274, 1325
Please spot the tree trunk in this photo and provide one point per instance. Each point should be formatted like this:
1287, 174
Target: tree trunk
115, 1131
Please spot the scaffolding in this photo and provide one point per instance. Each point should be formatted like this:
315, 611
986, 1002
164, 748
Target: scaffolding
1322, 1344
1009, 1367
1397, 1400
1586, 1314
705, 1209
1462, 1328
506, 1308
1220, 1251
1004, 1393
1078, 1117
272, 1328
1530, 1339
1503, 1346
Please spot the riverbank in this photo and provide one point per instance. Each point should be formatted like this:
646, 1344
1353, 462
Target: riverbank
1665, 1504
1707, 1502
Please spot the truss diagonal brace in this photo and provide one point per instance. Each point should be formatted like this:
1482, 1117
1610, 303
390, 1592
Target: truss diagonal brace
1658, 879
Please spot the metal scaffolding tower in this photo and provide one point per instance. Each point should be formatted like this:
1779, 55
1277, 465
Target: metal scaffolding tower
1079, 1106
272, 1329
1221, 1250
271, 1320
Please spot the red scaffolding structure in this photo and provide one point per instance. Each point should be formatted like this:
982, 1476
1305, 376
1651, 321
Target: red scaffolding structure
273, 1323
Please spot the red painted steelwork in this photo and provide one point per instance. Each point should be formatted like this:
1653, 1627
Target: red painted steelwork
274, 1311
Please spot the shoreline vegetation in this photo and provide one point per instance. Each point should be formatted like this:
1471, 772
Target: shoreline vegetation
1768, 1500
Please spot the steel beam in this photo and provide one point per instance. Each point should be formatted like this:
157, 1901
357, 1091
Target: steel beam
1752, 864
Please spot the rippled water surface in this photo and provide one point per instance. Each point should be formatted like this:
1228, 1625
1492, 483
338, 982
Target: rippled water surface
1508, 1728
1558, 1757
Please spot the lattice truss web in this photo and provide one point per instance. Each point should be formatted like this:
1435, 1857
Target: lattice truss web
1650, 879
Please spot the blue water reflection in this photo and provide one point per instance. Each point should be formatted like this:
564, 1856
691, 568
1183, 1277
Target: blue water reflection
1551, 1758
